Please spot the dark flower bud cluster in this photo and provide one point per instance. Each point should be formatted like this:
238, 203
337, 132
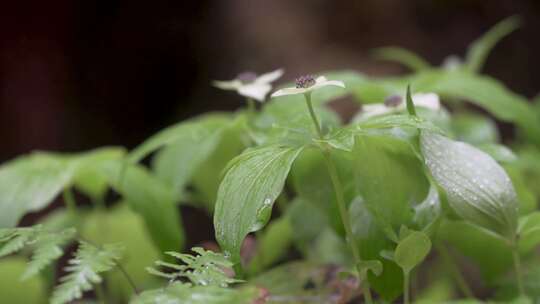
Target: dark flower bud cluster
393, 101
247, 77
305, 82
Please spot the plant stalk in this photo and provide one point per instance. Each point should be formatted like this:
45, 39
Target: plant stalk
452, 267
69, 200
338, 189
406, 296
251, 106
517, 268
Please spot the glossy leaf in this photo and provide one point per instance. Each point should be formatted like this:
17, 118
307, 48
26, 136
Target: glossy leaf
412, 250
477, 188
246, 195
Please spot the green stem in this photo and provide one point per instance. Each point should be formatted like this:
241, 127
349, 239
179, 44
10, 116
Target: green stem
517, 268
406, 276
453, 268
239, 271
100, 294
338, 189
251, 106
69, 200
313, 115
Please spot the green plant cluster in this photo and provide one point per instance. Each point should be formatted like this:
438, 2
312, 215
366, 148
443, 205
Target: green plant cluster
410, 204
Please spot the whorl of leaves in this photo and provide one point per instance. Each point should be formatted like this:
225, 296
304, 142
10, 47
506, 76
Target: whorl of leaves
83, 271
205, 269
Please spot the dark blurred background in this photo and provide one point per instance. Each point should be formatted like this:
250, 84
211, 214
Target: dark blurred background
81, 74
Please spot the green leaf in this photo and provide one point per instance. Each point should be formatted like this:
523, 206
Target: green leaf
529, 232
48, 248
412, 250
16, 239
474, 129
375, 266
500, 153
149, 197
84, 270
192, 146
403, 56
14, 291
196, 127
410, 104
245, 197
477, 188
480, 49
393, 121
272, 245
30, 183
182, 293
475, 243
383, 162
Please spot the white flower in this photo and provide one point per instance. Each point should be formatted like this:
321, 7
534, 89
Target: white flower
250, 85
307, 84
396, 103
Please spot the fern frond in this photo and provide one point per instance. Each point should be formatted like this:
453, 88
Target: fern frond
47, 249
16, 239
206, 268
84, 269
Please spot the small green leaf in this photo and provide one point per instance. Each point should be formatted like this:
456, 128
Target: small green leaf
410, 104
412, 250
272, 245
529, 232
480, 49
247, 193
477, 188
375, 266
403, 56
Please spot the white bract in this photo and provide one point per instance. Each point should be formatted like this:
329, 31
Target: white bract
248, 84
396, 104
308, 84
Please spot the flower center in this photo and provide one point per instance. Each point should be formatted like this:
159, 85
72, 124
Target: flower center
305, 82
393, 101
247, 77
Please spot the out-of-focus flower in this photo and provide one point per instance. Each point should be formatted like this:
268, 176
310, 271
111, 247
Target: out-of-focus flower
307, 84
395, 103
248, 84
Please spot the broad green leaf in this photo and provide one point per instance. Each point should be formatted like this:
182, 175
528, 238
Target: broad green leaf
487, 93
249, 188
176, 163
475, 243
480, 49
182, 293
474, 129
403, 56
30, 183
382, 163
477, 188
412, 250
151, 198
206, 179
393, 121
198, 126
272, 245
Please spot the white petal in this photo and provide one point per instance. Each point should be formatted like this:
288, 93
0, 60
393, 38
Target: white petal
325, 83
256, 91
270, 77
320, 79
227, 85
289, 91
427, 100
